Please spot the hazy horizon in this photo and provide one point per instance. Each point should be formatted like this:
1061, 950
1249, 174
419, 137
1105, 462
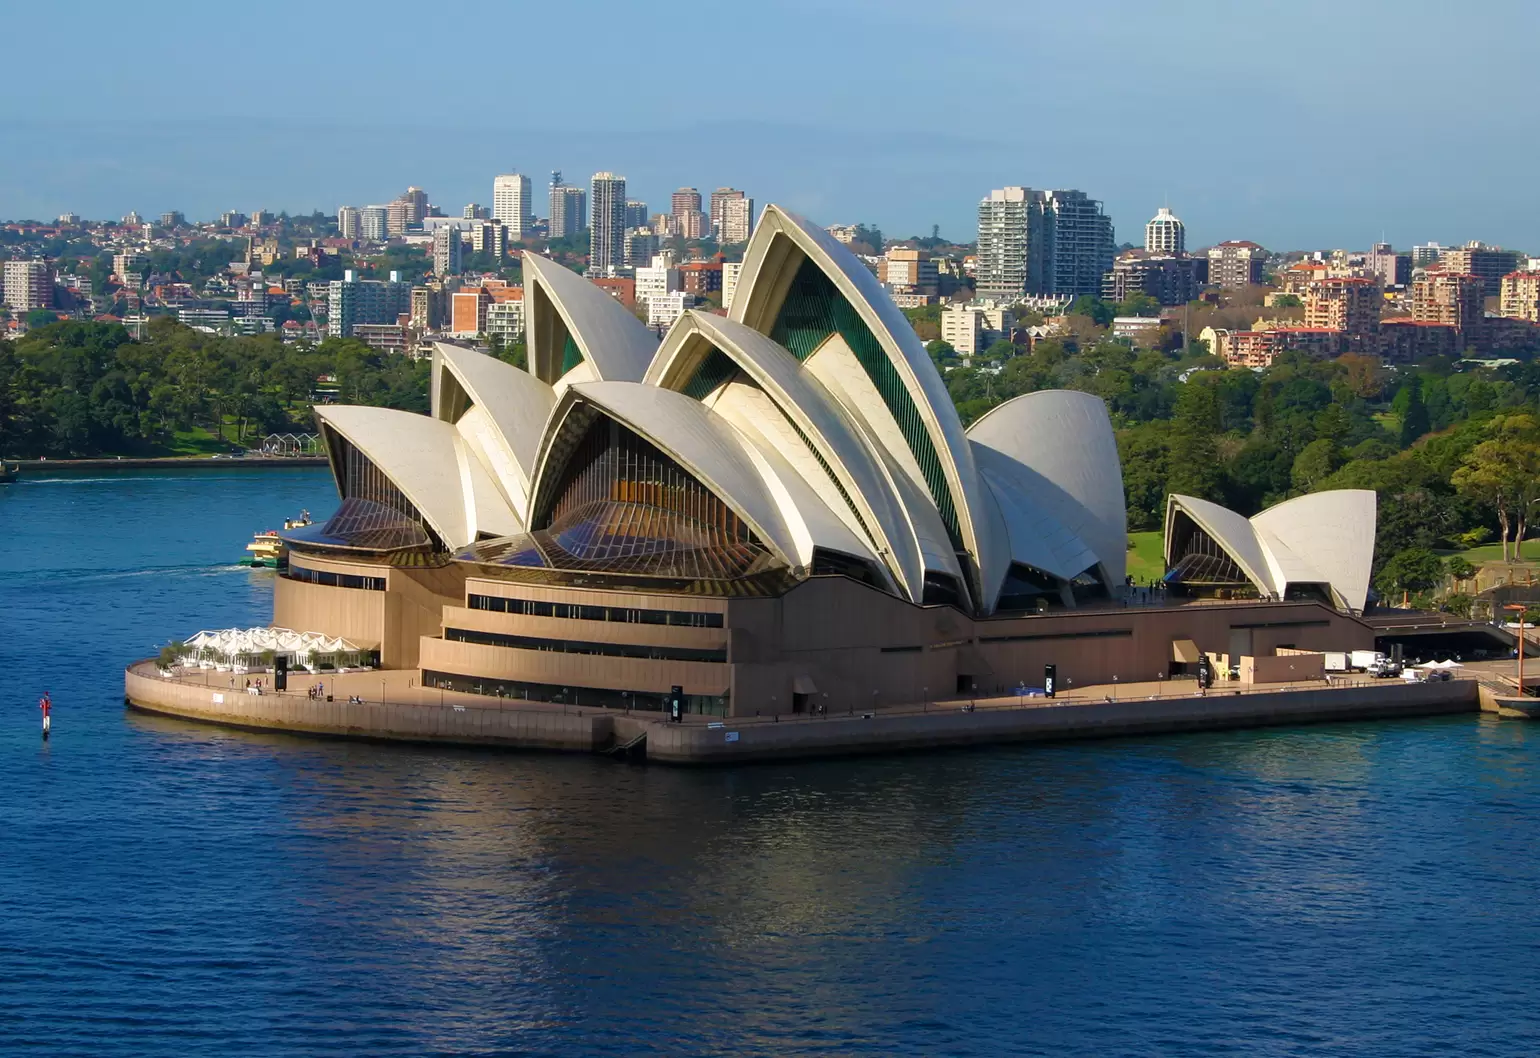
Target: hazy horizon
1306, 125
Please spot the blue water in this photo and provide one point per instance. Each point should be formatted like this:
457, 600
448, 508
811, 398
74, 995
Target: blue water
174, 889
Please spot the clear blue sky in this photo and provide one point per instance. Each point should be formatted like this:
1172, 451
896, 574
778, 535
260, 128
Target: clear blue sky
1309, 123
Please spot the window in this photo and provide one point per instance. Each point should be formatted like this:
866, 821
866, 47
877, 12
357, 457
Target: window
334, 580
650, 701
582, 612
573, 646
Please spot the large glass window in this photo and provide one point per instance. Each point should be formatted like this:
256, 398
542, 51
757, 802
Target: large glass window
620, 505
585, 612
576, 646
374, 514
609, 698
334, 580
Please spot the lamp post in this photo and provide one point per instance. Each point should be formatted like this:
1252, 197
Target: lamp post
1520, 608
925, 691
1114, 687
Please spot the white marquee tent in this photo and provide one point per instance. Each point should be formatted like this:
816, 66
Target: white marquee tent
240, 646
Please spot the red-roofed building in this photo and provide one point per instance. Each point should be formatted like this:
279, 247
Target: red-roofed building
701, 277
621, 288
1344, 303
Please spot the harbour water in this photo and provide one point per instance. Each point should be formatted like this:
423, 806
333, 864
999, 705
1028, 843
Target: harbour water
168, 888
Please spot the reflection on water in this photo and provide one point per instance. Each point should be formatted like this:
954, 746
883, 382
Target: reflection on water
167, 887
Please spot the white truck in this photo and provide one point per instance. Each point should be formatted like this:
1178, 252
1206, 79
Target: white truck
1336, 660
1373, 662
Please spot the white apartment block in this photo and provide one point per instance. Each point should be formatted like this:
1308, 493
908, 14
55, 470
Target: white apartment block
737, 222
349, 222
657, 280
28, 286
505, 320
971, 329
511, 204
664, 309
730, 272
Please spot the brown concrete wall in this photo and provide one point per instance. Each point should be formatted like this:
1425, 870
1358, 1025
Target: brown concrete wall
352, 613
832, 631
520, 728
416, 609
839, 735
1287, 668
587, 631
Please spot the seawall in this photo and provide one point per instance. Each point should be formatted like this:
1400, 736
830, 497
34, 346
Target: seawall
512, 727
544, 727
841, 735
31, 466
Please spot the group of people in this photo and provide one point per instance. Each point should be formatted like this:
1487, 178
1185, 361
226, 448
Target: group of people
254, 686
316, 692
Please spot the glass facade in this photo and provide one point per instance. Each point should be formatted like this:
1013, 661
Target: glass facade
334, 580
1200, 560
645, 651
714, 370
374, 514
609, 698
813, 311
571, 355
620, 505
582, 612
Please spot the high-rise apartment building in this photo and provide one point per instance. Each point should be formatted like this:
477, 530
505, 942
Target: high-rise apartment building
569, 209
512, 204
1394, 269
173, 219
416, 200
607, 232
1490, 263
1056, 243
685, 200
1235, 264
231, 218
398, 216
719, 199
475, 211
351, 301
1350, 304
349, 222
374, 223
1005, 263
737, 222
447, 250
28, 286
636, 213
490, 237
1165, 233
1451, 298
641, 246
1169, 279
1519, 298
656, 280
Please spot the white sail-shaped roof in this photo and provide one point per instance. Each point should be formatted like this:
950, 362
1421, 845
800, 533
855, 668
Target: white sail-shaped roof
777, 250
1325, 538
615, 344
500, 411
432, 465
1063, 457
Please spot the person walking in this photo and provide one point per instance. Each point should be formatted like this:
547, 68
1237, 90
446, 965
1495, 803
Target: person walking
45, 705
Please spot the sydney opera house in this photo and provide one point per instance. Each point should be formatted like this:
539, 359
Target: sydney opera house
777, 510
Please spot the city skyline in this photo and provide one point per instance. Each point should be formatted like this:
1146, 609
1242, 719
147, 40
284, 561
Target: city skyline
849, 157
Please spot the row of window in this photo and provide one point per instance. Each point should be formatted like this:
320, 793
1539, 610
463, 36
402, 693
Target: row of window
573, 646
520, 690
576, 612
334, 580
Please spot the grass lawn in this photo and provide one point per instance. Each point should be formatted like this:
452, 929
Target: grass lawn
1494, 553
1146, 558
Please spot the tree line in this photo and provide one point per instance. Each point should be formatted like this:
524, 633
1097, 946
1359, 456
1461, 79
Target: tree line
78, 389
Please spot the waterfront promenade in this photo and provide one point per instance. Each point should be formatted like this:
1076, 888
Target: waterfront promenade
390, 705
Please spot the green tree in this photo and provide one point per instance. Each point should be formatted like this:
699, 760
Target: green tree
1415, 569
1099, 311
1316, 462
1414, 414
1503, 473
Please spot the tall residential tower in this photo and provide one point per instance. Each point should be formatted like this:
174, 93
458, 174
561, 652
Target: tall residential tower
511, 204
607, 238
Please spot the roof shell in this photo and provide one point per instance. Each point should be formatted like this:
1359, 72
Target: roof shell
617, 344
768, 269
